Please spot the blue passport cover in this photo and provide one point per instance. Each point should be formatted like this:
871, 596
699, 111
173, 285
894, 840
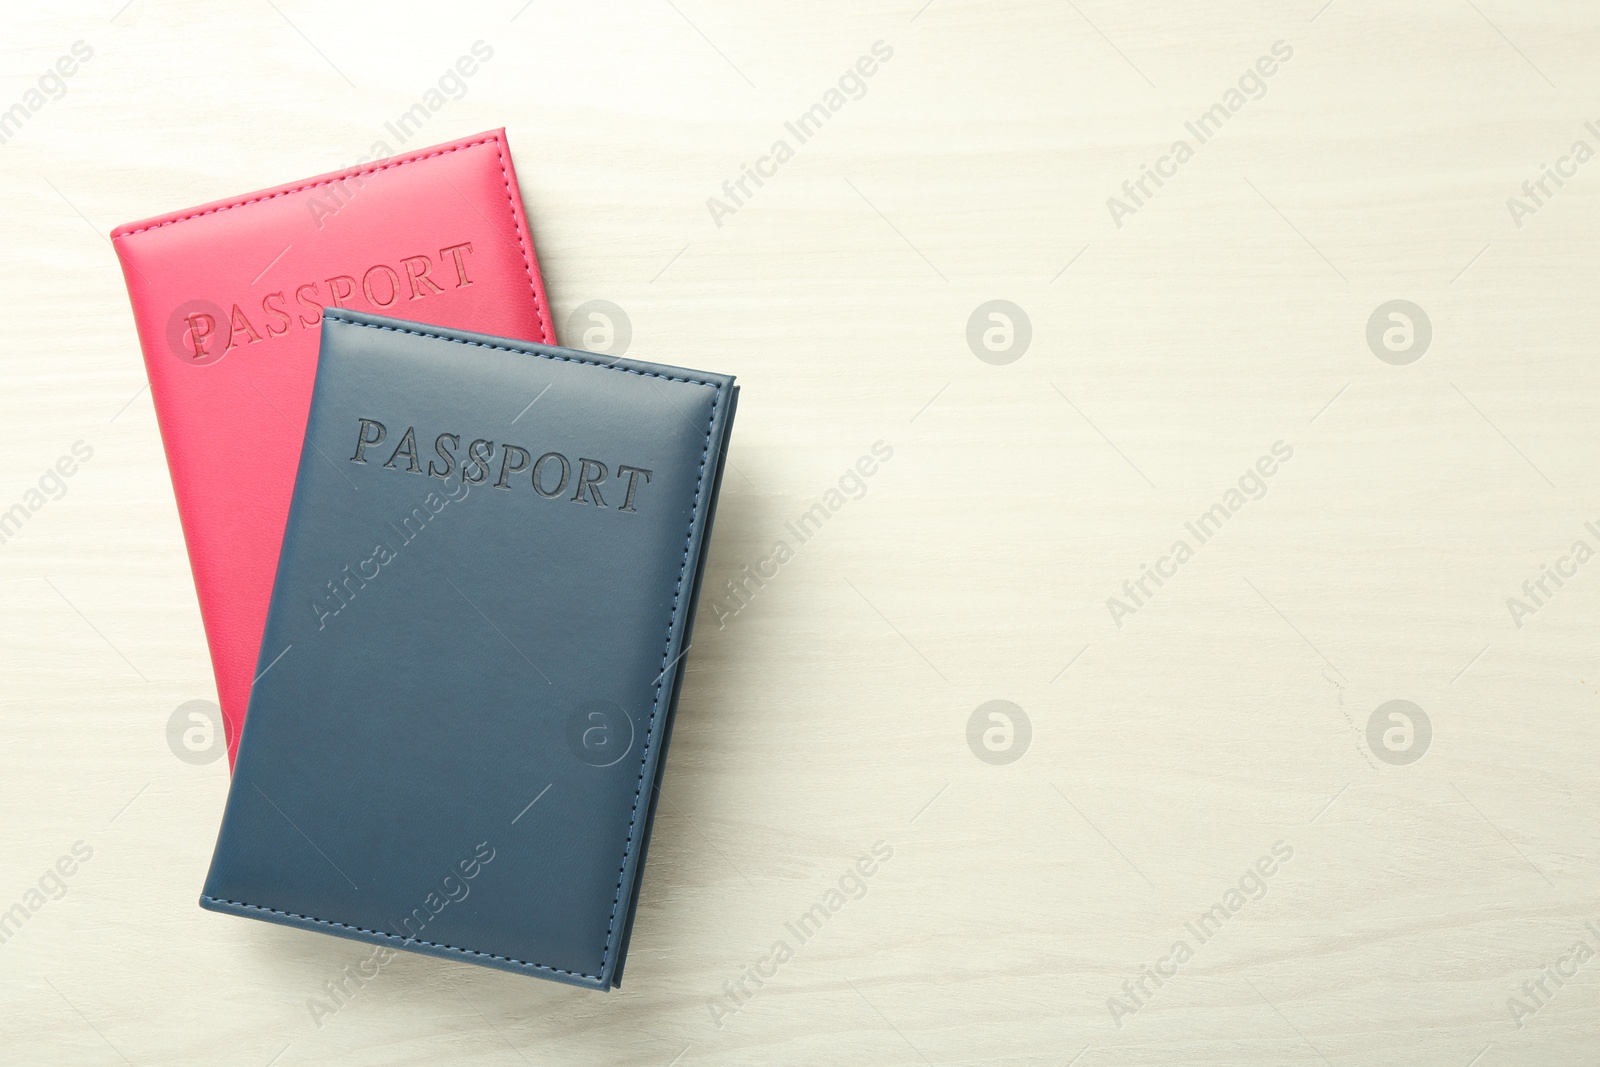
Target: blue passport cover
475, 646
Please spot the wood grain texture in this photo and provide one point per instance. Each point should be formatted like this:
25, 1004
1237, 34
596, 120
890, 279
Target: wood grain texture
1228, 712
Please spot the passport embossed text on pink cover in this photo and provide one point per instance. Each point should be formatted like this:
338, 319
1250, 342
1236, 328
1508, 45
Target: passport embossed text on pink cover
228, 300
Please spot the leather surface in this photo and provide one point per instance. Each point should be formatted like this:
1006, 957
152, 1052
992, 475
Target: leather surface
438, 649
227, 299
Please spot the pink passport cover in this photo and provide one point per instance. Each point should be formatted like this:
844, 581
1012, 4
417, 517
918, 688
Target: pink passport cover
228, 302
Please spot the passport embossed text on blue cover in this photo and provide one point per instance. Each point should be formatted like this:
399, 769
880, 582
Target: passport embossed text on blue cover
477, 637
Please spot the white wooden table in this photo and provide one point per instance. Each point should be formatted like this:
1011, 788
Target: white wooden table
1082, 879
